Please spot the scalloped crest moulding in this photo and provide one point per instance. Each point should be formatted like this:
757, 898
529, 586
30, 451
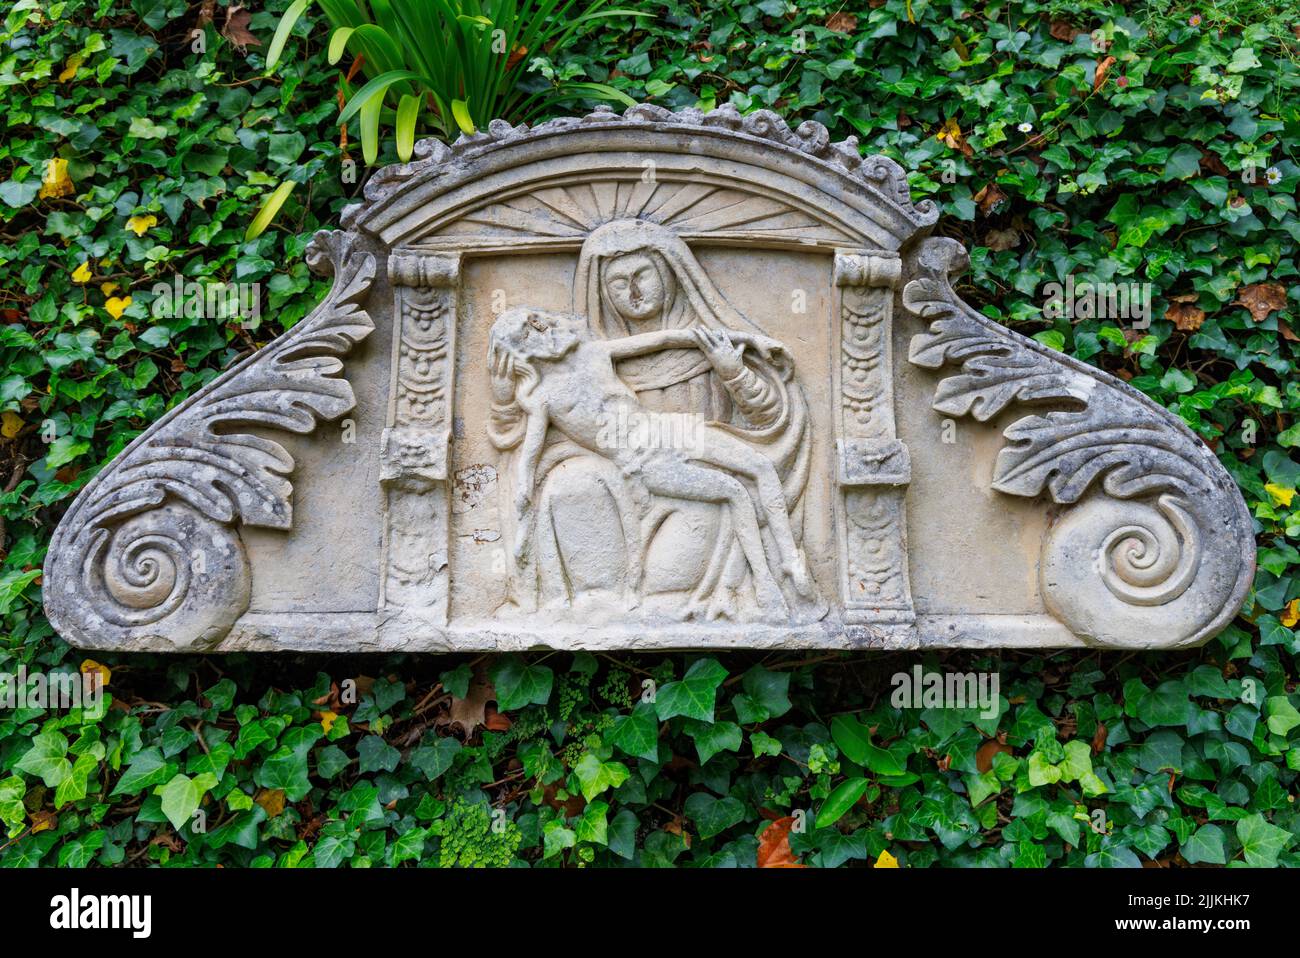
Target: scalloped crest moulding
661, 380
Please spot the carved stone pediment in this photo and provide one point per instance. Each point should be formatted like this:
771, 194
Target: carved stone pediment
661, 380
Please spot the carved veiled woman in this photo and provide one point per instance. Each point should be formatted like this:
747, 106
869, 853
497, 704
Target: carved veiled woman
598, 536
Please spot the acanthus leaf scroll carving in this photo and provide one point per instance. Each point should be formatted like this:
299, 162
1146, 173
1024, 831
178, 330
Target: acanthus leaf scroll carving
1156, 547
151, 548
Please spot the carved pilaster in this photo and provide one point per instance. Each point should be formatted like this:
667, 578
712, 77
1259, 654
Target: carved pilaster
874, 467
413, 454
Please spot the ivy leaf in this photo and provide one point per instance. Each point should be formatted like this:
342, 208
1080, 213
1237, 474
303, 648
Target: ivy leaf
73, 788
181, 797
556, 838
1261, 842
854, 740
433, 760
712, 816
1282, 715
80, 850
1205, 846
12, 811
376, 755
768, 691
47, 759
1112, 855
334, 846
622, 834
518, 684
715, 738
594, 776
1164, 705
12, 586
409, 845
694, 695
456, 682
637, 733
592, 826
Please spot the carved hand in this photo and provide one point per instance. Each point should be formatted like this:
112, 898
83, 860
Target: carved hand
503, 378
722, 354
766, 345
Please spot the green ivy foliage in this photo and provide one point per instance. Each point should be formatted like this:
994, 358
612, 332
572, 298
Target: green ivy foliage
1102, 140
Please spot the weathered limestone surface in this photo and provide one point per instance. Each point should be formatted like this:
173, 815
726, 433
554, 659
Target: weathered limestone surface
651, 381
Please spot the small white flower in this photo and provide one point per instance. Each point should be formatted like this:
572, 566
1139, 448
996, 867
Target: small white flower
1025, 127
1273, 174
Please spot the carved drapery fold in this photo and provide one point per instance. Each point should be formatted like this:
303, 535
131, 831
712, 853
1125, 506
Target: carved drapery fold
874, 467
150, 550
413, 451
1156, 547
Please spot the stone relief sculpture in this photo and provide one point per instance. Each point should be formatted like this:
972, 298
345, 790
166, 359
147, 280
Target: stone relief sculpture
646, 381
643, 303
565, 380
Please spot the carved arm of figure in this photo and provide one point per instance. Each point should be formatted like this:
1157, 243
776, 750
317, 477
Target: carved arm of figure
530, 452
757, 399
506, 421
698, 337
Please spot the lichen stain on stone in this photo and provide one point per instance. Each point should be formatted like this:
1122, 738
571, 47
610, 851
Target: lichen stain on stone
473, 483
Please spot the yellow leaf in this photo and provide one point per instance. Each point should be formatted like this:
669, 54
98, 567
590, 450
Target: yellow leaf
327, 720
950, 134
82, 273
10, 424
117, 305
886, 860
108, 289
1281, 495
56, 181
1291, 614
103, 671
271, 799
139, 225
70, 71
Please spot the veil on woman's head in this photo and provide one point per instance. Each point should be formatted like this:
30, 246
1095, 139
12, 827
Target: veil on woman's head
689, 295
689, 298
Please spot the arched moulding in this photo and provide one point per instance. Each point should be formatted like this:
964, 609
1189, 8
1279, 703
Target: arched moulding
150, 552
846, 198
1154, 546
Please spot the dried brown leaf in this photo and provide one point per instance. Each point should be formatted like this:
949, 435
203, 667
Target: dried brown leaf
841, 22
774, 846
1103, 68
236, 28
1261, 299
1186, 316
470, 713
984, 755
1002, 240
1064, 31
989, 197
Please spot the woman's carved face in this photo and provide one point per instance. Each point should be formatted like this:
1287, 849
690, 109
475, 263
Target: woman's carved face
634, 286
